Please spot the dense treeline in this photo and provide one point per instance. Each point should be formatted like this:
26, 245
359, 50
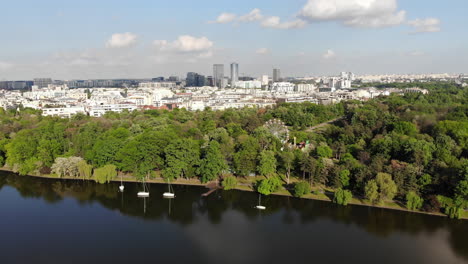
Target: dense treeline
411, 148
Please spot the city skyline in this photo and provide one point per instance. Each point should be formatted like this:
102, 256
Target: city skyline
119, 39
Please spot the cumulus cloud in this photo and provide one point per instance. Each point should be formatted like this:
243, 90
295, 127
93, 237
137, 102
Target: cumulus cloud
254, 15
224, 18
262, 51
275, 22
121, 40
425, 25
356, 13
185, 43
329, 54
184, 49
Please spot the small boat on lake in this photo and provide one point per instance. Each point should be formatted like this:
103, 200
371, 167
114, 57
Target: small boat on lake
145, 192
259, 206
170, 193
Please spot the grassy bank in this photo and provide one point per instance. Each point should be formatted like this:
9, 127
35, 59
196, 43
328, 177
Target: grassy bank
247, 185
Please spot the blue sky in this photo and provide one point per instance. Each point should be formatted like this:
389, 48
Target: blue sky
142, 38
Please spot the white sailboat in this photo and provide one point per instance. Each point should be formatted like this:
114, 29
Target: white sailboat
170, 193
121, 187
145, 192
259, 206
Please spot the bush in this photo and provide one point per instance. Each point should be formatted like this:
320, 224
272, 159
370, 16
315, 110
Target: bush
454, 212
301, 189
342, 197
105, 174
229, 183
413, 201
270, 185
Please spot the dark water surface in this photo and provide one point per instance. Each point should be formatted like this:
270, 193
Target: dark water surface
51, 221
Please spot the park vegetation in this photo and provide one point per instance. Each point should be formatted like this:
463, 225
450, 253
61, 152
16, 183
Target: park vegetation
408, 149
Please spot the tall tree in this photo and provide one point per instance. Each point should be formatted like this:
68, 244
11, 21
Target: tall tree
212, 164
267, 163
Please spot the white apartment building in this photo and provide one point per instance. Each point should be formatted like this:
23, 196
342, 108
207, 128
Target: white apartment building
306, 88
65, 112
248, 84
158, 85
100, 110
283, 87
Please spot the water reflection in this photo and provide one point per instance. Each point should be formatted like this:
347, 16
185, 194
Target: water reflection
288, 225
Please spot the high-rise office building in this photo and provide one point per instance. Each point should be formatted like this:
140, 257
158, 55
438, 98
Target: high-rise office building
218, 75
42, 82
276, 75
234, 74
195, 80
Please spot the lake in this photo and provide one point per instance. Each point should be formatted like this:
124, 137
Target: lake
53, 221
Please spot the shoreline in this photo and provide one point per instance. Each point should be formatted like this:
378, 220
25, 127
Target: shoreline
185, 182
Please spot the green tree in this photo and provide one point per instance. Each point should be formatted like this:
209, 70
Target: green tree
324, 151
287, 158
372, 191
342, 197
301, 189
267, 163
387, 187
413, 201
270, 185
344, 178
212, 164
105, 174
182, 157
245, 158
85, 170
229, 183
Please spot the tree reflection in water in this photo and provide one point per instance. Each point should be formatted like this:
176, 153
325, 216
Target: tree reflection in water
189, 208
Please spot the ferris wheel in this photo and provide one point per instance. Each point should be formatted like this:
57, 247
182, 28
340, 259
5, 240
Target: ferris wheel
278, 129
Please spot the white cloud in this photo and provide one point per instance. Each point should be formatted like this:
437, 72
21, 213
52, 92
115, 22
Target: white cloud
184, 49
121, 40
185, 43
275, 22
262, 51
356, 13
254, 15
330, 54
425, 25
224, 18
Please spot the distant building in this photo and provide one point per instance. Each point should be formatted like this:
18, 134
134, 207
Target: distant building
234, 73
265, 80
210, 81
42, 82
100, 110
65, 112
173, 79
283, 87
276, 75
158, 85
218, 75
248, 84
195, 80
305, 88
